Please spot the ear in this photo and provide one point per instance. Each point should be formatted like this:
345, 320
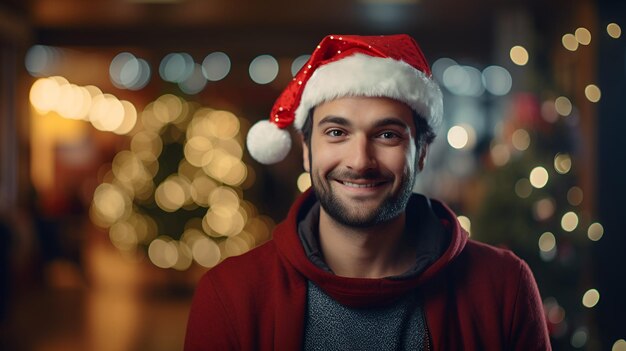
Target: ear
305, 154
421, 161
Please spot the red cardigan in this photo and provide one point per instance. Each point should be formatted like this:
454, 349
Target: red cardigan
476, 297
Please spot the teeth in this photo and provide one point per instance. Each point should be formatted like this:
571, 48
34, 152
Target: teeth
354, 185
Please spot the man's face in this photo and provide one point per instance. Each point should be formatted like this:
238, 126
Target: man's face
363, 159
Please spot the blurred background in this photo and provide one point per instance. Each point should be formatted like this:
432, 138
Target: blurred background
124, 174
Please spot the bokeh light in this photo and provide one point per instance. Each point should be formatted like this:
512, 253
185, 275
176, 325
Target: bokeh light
544, 209
593, 93
591, 298
539, 177
595, 231
520, 139
463, 80
461, 136
575, 196
579, 337
563, 106
128, 72
519, 55
562, 163
500, 154
263, 69
569, 221
569, 42
547, 242
465, 223
614, 31
216, 66
41, 60
583, 36
497, 80
619, 345
304, 181
176, 67
195, 82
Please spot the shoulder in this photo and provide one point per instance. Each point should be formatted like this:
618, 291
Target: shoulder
490, 257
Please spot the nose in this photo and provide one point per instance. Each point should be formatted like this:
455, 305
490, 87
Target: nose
361, 156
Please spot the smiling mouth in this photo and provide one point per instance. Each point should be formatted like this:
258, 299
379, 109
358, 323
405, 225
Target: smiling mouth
358, 185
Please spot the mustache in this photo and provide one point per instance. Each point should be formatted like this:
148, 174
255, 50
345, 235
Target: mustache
352, 175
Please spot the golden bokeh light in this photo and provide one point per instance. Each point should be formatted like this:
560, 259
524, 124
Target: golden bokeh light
200, 189
562, 163
569, 42
163, 252
547, 242
614, 31
223, 124
130, 119
593, 93
569, 221
206, 252
575, 196
539, 177
459, 136
198, 151
44, 95
583, 36
107, 113
110, 204
591, 298
123, 236
519, 55
520, 139
595, 231
147, 145
304, 181
563, 106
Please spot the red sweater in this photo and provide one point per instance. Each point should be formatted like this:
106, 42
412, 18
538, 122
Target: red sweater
476, 297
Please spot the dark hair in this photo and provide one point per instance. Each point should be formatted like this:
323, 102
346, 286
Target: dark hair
424, 132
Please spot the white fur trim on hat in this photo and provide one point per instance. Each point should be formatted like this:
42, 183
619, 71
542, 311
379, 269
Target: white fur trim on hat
364, 75
267, 143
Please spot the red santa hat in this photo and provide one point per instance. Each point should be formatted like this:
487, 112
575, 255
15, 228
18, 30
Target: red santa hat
348, 65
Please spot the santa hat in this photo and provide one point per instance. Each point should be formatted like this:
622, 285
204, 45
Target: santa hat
348, 65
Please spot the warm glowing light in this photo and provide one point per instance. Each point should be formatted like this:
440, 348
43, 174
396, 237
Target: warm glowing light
595, 231
544, 209
304, 181
465, 223
614, 31
110, 204
575, 196
523, 188
458, 137
548, 111
520, 139
519, 55
562, 163
44, 94
547, 242
563, 106
539, 177
591, 298
592, 93
619, 345
569, 221
263, 69
107, 113
163, 252
500, 154
130, 119
583, 36
569, 42
206, 252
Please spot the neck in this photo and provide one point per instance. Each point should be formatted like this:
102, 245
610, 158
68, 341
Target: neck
379, 251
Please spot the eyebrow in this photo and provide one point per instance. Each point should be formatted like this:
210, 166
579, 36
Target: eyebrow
387, 121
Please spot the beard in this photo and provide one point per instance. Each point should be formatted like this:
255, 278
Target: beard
353, 215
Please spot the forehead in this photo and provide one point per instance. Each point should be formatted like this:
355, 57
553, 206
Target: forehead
359, 110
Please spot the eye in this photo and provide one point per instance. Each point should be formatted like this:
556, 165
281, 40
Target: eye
388, 135
335, 133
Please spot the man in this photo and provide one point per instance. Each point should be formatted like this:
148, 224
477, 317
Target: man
360, 262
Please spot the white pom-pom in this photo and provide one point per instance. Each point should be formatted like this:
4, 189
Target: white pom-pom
267, 143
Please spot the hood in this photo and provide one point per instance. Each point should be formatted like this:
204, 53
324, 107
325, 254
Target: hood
362, 292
